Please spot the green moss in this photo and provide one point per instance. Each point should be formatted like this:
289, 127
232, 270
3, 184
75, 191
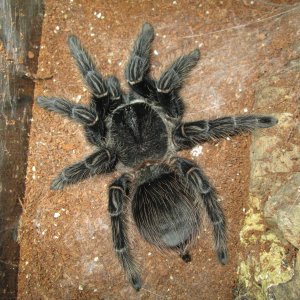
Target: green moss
269, 267
253, 223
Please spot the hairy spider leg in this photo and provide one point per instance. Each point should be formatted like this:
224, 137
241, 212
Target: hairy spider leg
187, 135
165, 90
106, 93
137, 68
78, 113
118, 200
91, 76
96, 134
200, 183
115, 93
101, 161
171, 81
87, 116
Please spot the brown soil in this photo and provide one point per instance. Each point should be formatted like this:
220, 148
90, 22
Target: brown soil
71, 256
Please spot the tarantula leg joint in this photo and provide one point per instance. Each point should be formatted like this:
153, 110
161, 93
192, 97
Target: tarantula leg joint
94, 122
115, 205
166, 91
102, 95
122, 250
234, 121
135, 81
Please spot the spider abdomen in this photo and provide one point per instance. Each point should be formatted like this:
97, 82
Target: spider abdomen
138, 133
164, 210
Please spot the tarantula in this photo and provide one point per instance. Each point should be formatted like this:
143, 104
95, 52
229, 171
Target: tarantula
139, 134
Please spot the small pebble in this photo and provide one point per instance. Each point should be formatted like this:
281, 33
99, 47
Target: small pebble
56, 215
245, 109
196, 151
30, 54
77, 99
155, 52
80, 287
96, 258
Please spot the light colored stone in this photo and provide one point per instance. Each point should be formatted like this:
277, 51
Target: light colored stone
289, 290
283, 209
270, 92
289, 223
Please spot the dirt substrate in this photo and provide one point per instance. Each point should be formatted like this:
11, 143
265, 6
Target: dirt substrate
65, 237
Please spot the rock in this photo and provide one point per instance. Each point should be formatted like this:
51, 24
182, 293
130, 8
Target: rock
275, 181
289, 223
289, 290
275, 175
30, 54
272, 154
273, 158
270, 92
286, 195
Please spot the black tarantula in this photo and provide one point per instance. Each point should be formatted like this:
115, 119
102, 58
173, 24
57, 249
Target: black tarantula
139, 134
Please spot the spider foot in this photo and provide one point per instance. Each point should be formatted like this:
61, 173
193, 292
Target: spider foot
136, 283
58, 183
186, 257
266, 121
222, 256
